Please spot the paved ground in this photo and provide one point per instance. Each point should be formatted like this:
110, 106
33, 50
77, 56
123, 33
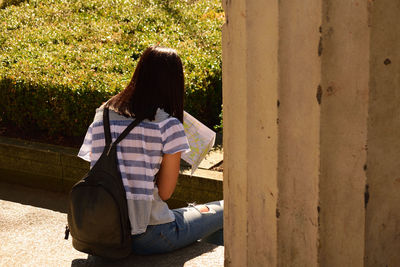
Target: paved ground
32, 226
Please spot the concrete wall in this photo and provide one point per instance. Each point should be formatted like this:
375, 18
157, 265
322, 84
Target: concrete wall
40, 165
311, 126
58, 169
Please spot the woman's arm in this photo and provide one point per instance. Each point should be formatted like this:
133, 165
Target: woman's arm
168, 175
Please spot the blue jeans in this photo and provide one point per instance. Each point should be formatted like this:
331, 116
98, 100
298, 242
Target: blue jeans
189, 226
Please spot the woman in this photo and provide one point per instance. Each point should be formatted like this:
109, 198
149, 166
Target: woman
149, 156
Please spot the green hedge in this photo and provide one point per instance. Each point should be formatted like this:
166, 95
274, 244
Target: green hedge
60, 59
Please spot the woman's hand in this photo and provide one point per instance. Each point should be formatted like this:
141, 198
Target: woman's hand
168, 175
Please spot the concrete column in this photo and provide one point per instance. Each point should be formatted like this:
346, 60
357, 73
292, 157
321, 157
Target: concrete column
263, 72
250, 112
344, 112
311, 133
383, 172
234, 117
298, 132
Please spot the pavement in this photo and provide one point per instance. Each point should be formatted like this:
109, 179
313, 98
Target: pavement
32, 224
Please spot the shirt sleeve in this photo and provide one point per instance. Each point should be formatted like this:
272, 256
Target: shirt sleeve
86, 148
174, 137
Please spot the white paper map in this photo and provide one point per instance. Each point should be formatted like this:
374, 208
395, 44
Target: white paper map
201, 140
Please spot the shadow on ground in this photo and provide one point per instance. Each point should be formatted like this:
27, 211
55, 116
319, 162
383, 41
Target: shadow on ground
34, 197
32, 224
174, 259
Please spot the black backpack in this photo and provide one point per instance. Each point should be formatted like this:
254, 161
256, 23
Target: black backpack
98, 214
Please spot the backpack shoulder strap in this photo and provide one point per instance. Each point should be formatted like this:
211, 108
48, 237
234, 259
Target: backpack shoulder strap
107, 133
106, 123
127, 130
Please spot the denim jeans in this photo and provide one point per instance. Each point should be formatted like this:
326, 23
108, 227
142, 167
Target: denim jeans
189, 226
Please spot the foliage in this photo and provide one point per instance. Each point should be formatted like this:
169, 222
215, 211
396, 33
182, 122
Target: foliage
220, 127
5, 3
61, 59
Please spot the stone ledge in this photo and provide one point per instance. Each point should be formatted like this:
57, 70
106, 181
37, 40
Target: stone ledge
57, 168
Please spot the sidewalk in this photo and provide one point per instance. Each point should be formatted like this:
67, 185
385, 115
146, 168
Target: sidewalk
32, 224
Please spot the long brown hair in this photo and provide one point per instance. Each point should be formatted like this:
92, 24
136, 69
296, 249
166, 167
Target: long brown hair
158, 82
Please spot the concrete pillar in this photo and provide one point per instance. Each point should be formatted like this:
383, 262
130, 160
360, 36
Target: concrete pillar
383, 172
298, 132
235, 206
344, 112
270, 87
250, 80
311, 127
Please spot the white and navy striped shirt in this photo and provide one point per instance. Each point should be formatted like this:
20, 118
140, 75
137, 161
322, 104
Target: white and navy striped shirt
139, 159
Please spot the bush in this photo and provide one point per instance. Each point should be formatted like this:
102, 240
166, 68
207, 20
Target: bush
6, 3
57, 109
59, 60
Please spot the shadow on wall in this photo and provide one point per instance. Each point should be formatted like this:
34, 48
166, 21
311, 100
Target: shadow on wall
174, 259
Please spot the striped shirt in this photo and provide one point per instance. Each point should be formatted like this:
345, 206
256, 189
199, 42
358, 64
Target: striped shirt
139, 159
